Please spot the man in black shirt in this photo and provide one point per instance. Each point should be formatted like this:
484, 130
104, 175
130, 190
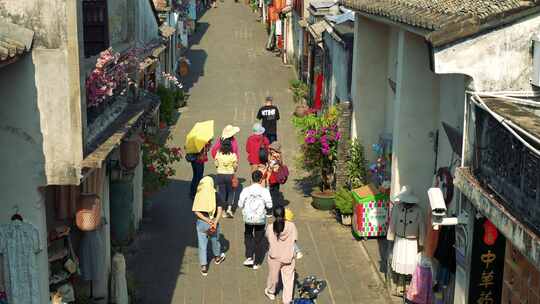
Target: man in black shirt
269, 114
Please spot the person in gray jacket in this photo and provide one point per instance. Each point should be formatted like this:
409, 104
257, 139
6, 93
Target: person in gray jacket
254, 200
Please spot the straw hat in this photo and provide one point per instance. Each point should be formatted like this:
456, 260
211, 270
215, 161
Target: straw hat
229, 131
258, 129
275, 146
405, 196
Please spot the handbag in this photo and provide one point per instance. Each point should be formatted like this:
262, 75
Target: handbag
263, 152
88, 216
282, 174
235, 182
191, 157
212, 230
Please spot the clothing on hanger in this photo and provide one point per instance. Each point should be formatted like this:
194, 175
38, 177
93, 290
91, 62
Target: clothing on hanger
19, 244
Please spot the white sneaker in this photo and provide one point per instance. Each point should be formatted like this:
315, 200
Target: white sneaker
269, 295
249, 262
230, 213
299, 255
256, 266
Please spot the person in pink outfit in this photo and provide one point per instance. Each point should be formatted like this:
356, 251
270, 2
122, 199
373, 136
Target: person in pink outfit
282, 236
228, 132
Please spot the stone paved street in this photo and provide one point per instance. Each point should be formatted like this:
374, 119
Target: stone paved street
231, 74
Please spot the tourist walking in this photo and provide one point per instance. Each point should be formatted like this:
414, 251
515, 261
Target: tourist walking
208, 206
269, 115
282, 236
197, 161
277, 173
257, 147
228, 132
226, 165
254, 200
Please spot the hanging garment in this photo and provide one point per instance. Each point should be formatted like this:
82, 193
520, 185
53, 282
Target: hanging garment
92, 256
270, 44
420, 291
19, 244
279, 27
317, 105
404, 255
119, 292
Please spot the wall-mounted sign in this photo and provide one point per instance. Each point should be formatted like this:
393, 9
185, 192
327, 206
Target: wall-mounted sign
487, 263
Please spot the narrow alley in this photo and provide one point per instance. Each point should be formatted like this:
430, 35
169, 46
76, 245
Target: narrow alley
231, 74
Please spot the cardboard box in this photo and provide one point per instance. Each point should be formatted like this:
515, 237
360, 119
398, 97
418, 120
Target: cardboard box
368, 190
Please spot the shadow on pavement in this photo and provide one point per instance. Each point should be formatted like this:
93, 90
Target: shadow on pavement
159, 250
198, 61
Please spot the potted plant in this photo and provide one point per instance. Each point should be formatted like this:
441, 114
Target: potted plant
357, 166
319, 135
344, 206
300, 92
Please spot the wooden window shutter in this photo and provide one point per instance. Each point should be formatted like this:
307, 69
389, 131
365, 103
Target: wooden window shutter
95, 24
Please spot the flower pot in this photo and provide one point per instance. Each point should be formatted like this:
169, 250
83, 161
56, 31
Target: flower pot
323, 200
346, 219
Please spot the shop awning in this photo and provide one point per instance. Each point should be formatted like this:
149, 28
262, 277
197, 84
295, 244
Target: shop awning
15, 41
166, 30
130, 119
317, 30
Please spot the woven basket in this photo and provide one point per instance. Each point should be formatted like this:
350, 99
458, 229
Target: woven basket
88, 217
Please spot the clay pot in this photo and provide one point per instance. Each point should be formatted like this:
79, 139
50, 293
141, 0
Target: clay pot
130, 154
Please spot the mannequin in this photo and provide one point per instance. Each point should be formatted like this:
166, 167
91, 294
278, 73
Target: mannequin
407, 230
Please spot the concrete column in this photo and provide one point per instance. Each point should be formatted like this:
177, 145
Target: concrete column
416, 117
344, 127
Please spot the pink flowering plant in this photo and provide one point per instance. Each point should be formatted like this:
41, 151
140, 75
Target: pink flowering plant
319, 137
158, 161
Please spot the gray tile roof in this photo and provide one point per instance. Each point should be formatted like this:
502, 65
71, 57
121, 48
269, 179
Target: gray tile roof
440, 15
15, 40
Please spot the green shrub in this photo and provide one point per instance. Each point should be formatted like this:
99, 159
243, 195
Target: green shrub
167, 108
344, 201
357, 168
299, 89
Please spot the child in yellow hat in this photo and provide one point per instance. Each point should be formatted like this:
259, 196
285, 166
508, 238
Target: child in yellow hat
289, 216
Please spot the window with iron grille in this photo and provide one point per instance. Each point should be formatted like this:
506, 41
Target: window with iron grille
509, 169
95, 27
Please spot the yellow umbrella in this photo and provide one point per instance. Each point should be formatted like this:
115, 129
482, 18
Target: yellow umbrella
199, 136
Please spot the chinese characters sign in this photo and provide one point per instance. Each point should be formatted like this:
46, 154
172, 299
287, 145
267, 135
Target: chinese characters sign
487, 263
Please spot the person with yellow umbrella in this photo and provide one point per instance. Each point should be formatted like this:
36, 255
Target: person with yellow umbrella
198, 142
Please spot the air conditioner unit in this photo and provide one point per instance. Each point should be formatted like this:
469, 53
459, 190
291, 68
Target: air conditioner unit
535, 77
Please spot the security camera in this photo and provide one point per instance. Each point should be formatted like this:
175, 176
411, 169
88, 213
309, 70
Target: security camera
436, 200
438, 211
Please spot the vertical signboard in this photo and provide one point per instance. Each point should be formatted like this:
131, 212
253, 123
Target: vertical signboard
487, 263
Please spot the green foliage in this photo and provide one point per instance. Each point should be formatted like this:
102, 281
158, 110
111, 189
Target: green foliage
299, 89
357, 166
158, 160
167, 109
319, 136
344, 201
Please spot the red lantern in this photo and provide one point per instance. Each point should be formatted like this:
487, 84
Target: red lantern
490, 233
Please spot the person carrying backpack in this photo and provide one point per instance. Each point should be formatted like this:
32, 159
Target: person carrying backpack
254, 200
